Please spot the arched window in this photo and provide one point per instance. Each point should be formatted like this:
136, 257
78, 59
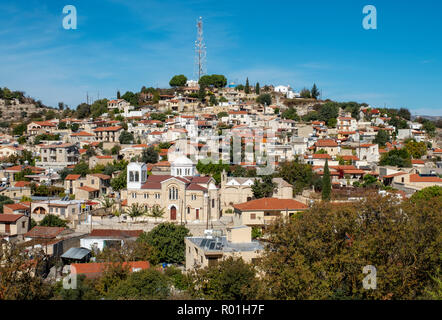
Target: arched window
173, 193
137, 176
188, 210
131, 176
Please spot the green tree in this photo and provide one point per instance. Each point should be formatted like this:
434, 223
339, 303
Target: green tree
81, 168
257, 88
230, 279
19, 129
396, 157
168, 238
178, 81
156, 212
126, 137
51, 220
326, 183
305, 93
320, 254
290, 113
404, 113
4, 200
416, 149
19, 277
264, 188
150, 155
382, 137
83, 110
147, 284
315, 92
299, 175
247, 87
265, 99
120, 182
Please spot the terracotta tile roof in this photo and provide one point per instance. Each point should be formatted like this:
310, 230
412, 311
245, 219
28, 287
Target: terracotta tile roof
10, 217
354, 171
88, 189
73, 177
270, 204
151, 185
21, 168
94, 269
417, 161
367, 145
45, 123
347, 158
82, 134
44, 232
22, 184
418, 178
115, 128
326, 143
16, 206
115, 233
104, 157
101, 176
195, 186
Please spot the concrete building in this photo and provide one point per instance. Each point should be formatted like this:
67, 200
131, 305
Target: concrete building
207, 251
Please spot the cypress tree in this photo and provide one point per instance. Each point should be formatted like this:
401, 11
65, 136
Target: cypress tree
315, 92
247, 87
257, 88
326, 184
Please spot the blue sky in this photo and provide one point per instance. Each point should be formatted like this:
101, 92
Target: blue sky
125, 44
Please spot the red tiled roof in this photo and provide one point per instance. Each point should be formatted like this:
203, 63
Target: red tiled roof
73, 177
326, 143
417, 161
115, 128
82, 134
195, 186
270, 204
418, 178
101, 176
104, 157
96, 268
44, 232
88, 189
22, 184
16, 206
10, 217
115, 233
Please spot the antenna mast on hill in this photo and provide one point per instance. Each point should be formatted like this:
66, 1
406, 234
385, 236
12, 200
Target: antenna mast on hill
200, 51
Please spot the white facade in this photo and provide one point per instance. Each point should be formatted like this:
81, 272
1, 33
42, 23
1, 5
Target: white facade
136, 175
182, 167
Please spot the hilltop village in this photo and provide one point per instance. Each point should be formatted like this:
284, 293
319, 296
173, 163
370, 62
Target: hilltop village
187, 177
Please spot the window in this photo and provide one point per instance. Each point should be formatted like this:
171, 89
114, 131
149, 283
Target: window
137, 176
62, 211
213, 203
188, 210
131, 176
157, 195
253, 216
134, 195
146, 196
23, 224
92, 181
193, 196
173, 193
73, 211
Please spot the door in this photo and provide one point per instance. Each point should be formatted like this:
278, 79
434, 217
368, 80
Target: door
173, 213
7, 228
197, 214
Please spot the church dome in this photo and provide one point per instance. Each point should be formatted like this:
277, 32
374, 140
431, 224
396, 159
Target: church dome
182, 161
